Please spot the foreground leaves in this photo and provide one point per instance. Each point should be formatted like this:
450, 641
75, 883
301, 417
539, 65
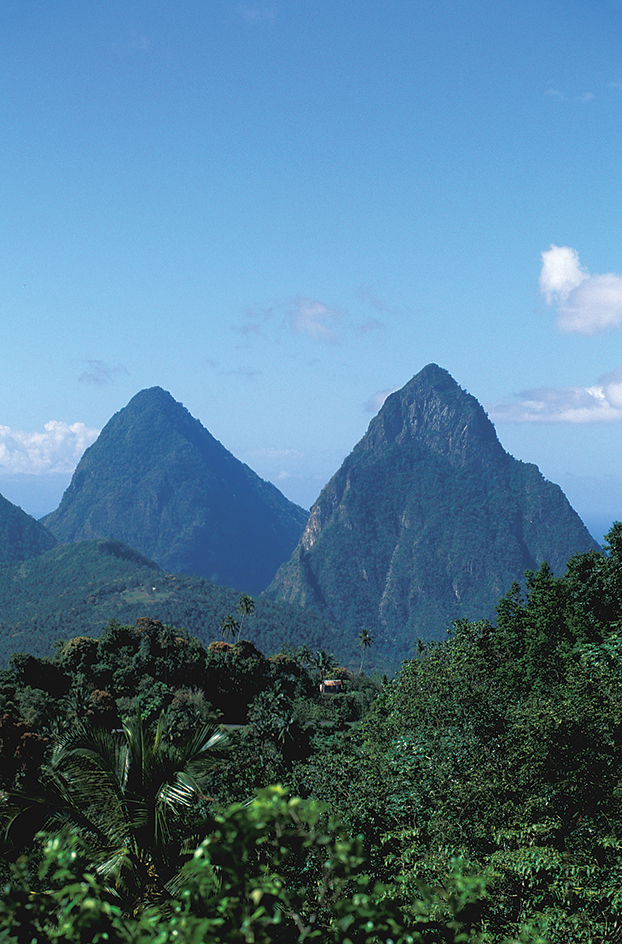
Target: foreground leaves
275, 870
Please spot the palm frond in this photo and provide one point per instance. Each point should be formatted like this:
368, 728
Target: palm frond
91, 754
129, 796
179, 881
113, 864
207, 740
182, 792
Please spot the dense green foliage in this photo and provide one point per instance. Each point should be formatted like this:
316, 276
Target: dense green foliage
126, 794
428, 520
273, 872
76, 589
474, 798
503, 745
157, 480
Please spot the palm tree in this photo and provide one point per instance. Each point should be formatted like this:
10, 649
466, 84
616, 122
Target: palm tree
366, 640
303, 654
246, 605
133, 799
229, 627
324, 662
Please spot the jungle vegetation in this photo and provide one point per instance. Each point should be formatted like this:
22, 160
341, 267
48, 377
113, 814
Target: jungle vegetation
474, 797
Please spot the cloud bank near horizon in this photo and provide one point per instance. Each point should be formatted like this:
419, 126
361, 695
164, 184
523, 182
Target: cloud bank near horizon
600, 403
586, 304
58, 448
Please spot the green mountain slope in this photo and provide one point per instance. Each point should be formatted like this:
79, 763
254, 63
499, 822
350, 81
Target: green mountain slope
21, 536
428, 520
157, 480
76, 589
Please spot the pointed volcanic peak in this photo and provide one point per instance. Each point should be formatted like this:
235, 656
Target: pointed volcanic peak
428, 520
21, 536
157, 480
432, 413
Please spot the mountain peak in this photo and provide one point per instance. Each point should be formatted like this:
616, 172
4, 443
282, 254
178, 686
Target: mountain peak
153, 398
154, 405
433, 374
428, 520
157, 480
434, 411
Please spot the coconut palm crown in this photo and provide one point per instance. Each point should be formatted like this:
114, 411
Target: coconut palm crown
136, 801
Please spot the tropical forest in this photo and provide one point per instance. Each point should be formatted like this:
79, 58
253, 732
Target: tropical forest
156, 788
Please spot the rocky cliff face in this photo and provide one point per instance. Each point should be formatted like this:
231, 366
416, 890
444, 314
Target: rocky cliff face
428, 520
157, 480
433, 412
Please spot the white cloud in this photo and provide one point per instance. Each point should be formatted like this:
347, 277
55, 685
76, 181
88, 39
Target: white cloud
573, 99
301, 315
270, 452
585, 303
257, 12
600, 403
377, 400
100, 373
313, 318
561, 273
57, 449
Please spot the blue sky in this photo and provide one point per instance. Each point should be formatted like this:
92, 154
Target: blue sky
280, 210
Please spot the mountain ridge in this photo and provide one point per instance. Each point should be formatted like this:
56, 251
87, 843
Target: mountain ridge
21, 535
76, 589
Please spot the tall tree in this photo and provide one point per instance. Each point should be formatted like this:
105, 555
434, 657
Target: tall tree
303, 654
365, 641
246, 606
229, 627
324, 662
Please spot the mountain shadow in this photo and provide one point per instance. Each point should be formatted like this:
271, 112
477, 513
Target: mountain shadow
157, 480
428, 520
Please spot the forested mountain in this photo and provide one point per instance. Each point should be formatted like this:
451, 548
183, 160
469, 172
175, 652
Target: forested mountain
76, 589
157, 480
21, 536
428, 520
